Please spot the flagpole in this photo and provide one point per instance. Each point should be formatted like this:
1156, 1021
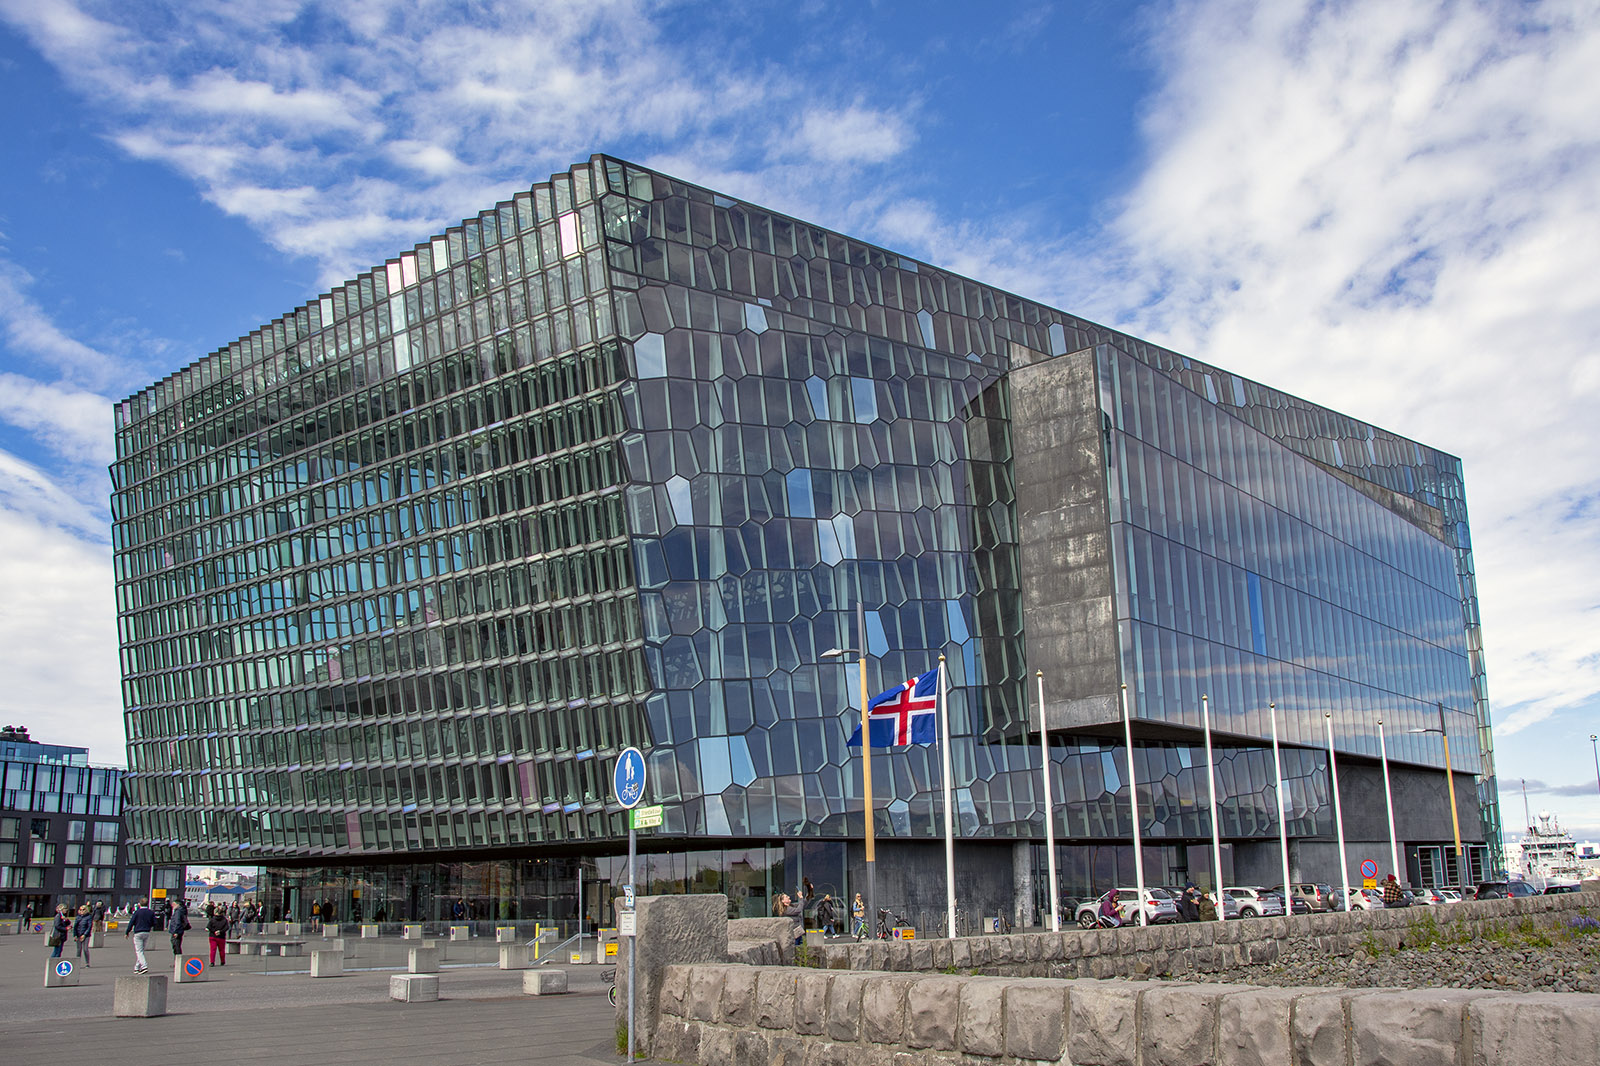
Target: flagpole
949, 818
866, 770
1338, 812
1049, 812
1133, 799
1283, 825
1216, 828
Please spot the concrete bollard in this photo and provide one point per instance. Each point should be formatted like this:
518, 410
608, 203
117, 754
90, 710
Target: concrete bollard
513, 956
441, 946
293, 929
423, 960
329, 932
188, 969
505, 934
140, 996
369, 932
411, 932
62, 973
461, 932
414, 988
544, 982
97, 939
327, 962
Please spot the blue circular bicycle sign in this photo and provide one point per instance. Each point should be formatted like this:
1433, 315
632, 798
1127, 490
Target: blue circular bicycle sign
627, 780
63, 968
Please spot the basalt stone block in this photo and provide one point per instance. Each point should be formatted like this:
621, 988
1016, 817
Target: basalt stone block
782, 1050
921, 956
1178, 1023
750, 1048
811, 1002
673, 930
1418, 1027
705, 993
775, 999
1253, 1026
677, 1040
844, 1006
900, 955
981, 1022
961, 953
1319, 1027
943, 954
674, 991
1035, 1018
883, 1010
860, 956
878, 956
1261, 952
739, 996
932, 1012
1539, 1028
1102, 1028
716, 1045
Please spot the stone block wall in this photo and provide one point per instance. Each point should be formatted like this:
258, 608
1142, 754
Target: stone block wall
1209, 947
737, 1015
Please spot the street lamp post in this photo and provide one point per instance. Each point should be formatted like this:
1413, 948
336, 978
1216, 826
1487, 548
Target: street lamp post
1592, 738
1450, 786
1216, 828
1133, 802
866, 759
1338, 813
1283, 826
1049, 810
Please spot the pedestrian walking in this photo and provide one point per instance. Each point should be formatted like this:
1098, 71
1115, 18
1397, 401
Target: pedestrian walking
60, 928
217, 930
858, 917
27, 916
140, 925
825, 914
177, 923
83, 933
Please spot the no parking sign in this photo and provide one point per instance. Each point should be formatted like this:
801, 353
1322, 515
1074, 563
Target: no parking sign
194, 967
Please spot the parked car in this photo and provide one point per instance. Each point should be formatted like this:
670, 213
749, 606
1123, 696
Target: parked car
1450, 895
1296, 904
1256, 902
1158, 907
1556, 890
1504, 890
1363, 899
1424, 897
1315, 895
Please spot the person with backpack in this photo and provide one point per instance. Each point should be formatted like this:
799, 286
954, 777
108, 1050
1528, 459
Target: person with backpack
83, 933
59, 929
826, 915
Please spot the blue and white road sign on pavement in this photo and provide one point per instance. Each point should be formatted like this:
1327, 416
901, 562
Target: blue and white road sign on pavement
628, 778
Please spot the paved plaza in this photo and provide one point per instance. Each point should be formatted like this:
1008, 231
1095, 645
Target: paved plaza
250, 1014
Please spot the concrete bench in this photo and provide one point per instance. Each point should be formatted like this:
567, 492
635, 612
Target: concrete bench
327, 962
139, 996
244, 947
284, 948
414, 987
544, 982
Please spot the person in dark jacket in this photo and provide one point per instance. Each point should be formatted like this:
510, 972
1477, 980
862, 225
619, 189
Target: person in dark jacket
60, 929
177, 922
141, 923
217, 930
83, 932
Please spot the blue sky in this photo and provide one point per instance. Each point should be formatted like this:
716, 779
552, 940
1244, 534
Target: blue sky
1389, 207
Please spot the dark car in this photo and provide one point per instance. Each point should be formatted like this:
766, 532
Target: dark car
1504, 890
1556, 890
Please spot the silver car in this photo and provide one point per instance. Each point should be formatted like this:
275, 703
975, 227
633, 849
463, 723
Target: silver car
1158, 907
1257, 902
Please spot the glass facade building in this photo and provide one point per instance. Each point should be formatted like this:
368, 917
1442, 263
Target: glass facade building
612, 464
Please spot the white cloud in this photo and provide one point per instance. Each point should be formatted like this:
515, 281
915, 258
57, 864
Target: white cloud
853, 135
1395, 209
74, 424
28, 330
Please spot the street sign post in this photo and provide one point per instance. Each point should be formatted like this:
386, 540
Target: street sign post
627, 781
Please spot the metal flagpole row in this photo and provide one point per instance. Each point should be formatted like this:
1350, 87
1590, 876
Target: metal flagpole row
949, 819
1338, 811
1283, 827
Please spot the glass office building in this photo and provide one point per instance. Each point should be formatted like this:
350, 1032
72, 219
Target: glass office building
613, 463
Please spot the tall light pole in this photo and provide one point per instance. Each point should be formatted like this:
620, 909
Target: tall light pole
1592, 738
1450, 786
1338, 813
866, 759
1283, 825
1216, 833
1133, 799
1388, 799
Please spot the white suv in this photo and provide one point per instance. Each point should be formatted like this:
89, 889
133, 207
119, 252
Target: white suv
1256, 902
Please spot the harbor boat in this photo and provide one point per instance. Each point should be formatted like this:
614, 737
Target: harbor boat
1550, 855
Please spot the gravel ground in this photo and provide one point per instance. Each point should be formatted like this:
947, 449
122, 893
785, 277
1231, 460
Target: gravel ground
1515, 964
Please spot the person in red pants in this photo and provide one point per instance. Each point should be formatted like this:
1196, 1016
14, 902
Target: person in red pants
217, 931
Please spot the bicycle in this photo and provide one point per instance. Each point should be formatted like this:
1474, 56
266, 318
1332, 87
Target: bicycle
887, 920
611, 976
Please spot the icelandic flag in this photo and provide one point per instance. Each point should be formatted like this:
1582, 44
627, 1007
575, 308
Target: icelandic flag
903, 715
